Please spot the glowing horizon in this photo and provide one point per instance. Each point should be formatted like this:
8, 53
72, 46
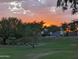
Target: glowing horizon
36, 10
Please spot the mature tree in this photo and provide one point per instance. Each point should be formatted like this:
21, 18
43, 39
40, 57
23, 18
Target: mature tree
10, 27
64, 26
16, 32
74, 25
73, 4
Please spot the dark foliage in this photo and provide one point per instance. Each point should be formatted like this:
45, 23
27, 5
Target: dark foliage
65, 4
73, 26
13, 31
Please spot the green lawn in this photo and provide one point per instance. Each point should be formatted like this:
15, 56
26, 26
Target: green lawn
63, 48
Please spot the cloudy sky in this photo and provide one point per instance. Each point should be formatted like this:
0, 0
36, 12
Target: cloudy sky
35, 10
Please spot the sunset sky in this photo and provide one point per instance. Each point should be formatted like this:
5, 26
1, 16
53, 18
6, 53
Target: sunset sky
35, 10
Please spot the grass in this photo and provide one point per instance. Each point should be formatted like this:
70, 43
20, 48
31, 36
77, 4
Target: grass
62, 48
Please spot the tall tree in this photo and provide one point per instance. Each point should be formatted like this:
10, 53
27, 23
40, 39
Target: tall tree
64, 26
9, 27
22, 32
74, 26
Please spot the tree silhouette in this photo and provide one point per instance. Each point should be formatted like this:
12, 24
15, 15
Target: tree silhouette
21, 32
70, 27
10, 27
74, 26
65, 4
64, 26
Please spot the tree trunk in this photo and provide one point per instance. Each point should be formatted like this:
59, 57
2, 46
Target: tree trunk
4, 41
33, 45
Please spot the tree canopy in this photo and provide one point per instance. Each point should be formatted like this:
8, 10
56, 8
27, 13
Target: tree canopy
21, 32
73, 4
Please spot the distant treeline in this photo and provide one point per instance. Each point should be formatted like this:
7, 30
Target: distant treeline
14, 31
